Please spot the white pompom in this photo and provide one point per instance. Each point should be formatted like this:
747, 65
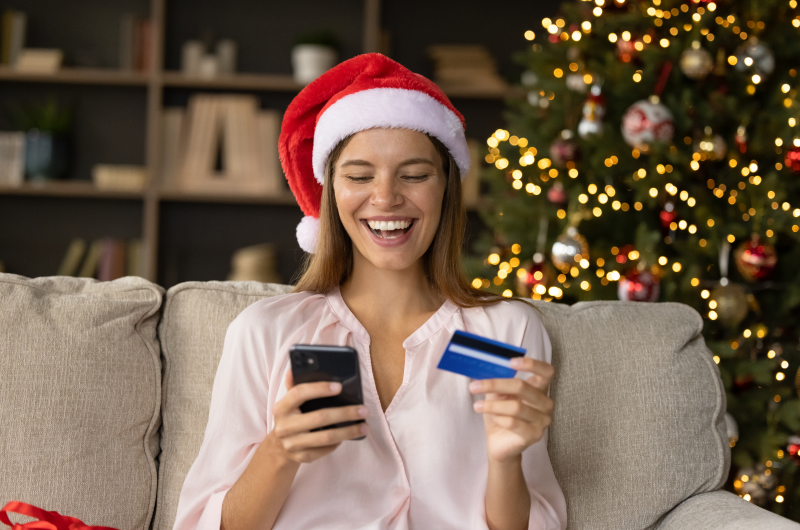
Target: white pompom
308, 234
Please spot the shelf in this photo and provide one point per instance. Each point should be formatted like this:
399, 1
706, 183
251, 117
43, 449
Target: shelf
75, 188
84, 76
234, 198
276, 82
469, 92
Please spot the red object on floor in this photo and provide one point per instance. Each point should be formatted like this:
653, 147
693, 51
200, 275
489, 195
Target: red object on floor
47, 520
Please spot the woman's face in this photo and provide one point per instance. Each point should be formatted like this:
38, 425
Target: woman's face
389, 188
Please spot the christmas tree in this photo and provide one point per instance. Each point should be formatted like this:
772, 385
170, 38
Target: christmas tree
656, 158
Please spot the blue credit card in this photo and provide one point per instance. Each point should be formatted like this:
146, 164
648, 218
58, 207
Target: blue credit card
478, 357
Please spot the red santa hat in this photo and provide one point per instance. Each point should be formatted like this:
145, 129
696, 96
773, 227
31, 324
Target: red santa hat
364, 92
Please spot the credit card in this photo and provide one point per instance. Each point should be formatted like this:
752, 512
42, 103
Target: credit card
478, 357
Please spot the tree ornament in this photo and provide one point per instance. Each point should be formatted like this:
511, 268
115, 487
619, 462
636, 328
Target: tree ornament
711, 147
576, 83
638, 286
626, 50
556, 194
792, 159
730, 298
529, 78
754, 57
646, 122
593, 111
696, 62
567, 247
564, 149
731, 302
756, 484
755, 259
668, 215
534, 273
741, 138
793, 448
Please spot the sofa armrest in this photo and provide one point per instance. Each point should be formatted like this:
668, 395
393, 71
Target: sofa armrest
718, 510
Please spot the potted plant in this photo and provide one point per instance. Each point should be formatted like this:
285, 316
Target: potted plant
313, 54
47, 144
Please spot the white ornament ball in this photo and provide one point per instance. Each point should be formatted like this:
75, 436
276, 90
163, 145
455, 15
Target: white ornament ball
577, 83
647, 122
696, 62
754, 56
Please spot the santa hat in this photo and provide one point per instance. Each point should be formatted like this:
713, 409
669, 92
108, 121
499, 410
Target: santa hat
364, 92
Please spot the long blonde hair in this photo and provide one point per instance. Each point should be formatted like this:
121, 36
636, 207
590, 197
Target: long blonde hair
333, 262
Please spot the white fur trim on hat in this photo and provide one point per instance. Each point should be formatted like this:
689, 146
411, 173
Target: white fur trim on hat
397, 108
308, 234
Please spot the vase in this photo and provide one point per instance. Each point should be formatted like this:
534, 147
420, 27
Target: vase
309, 61
46, 155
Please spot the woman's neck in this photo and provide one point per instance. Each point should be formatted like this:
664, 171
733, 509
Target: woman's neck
390, 295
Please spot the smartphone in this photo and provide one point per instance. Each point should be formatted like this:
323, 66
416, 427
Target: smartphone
313, 363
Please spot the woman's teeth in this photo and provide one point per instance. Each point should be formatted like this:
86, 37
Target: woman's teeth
389, 229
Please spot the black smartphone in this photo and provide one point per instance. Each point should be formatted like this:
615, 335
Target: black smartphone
313, 363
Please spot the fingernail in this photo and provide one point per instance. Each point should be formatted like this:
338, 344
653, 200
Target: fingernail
478, 406
364, 429
363, 412
475, 386
516, 362
336, 387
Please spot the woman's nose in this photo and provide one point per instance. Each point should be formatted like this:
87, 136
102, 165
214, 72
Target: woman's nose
386, 194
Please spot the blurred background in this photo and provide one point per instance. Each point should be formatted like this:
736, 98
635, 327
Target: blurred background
120, 121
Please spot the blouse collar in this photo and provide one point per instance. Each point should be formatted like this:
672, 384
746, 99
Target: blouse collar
426, 331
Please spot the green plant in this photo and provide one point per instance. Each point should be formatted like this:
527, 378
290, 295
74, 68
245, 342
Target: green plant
323, 37
50, 116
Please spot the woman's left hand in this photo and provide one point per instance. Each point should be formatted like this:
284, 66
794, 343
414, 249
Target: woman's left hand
516, 411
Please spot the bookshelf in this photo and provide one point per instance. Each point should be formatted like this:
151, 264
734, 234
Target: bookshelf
185, 235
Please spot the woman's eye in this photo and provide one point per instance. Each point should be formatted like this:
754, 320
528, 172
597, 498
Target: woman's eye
415, 177
358, 179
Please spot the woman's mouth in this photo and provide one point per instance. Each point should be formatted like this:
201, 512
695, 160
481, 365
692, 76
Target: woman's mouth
390, 229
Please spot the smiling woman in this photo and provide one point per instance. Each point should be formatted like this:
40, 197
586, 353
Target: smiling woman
374, 155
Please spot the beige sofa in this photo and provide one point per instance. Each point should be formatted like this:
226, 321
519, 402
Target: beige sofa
105, 388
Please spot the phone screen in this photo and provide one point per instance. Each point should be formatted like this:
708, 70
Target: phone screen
314, 363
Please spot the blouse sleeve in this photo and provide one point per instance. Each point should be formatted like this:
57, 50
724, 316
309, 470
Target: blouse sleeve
236, 426
548, 506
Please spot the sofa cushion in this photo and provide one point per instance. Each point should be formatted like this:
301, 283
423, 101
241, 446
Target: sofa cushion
639, 422
80, 395
195, 318
639, 418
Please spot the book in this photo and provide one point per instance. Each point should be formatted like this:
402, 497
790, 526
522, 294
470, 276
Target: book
230, 129
127, 41
112, 260
144, 42
269, 128
89, 266
172, 124
134, 258
72, 259
12, 158
119, 177
39, 60
13, 36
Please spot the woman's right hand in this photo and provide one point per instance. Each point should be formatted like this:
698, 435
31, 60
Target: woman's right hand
291, 435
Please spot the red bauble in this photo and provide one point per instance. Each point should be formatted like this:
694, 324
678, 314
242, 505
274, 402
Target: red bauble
755, 259
556, 194
793, 448
792, 160
564, 149
668, 215
535, 274
638, 286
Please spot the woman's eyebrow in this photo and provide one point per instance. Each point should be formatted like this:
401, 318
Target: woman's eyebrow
403, 163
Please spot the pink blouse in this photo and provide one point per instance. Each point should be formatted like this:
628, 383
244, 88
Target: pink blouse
422, 466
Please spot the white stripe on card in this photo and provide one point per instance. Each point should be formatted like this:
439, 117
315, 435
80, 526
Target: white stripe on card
475, 354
